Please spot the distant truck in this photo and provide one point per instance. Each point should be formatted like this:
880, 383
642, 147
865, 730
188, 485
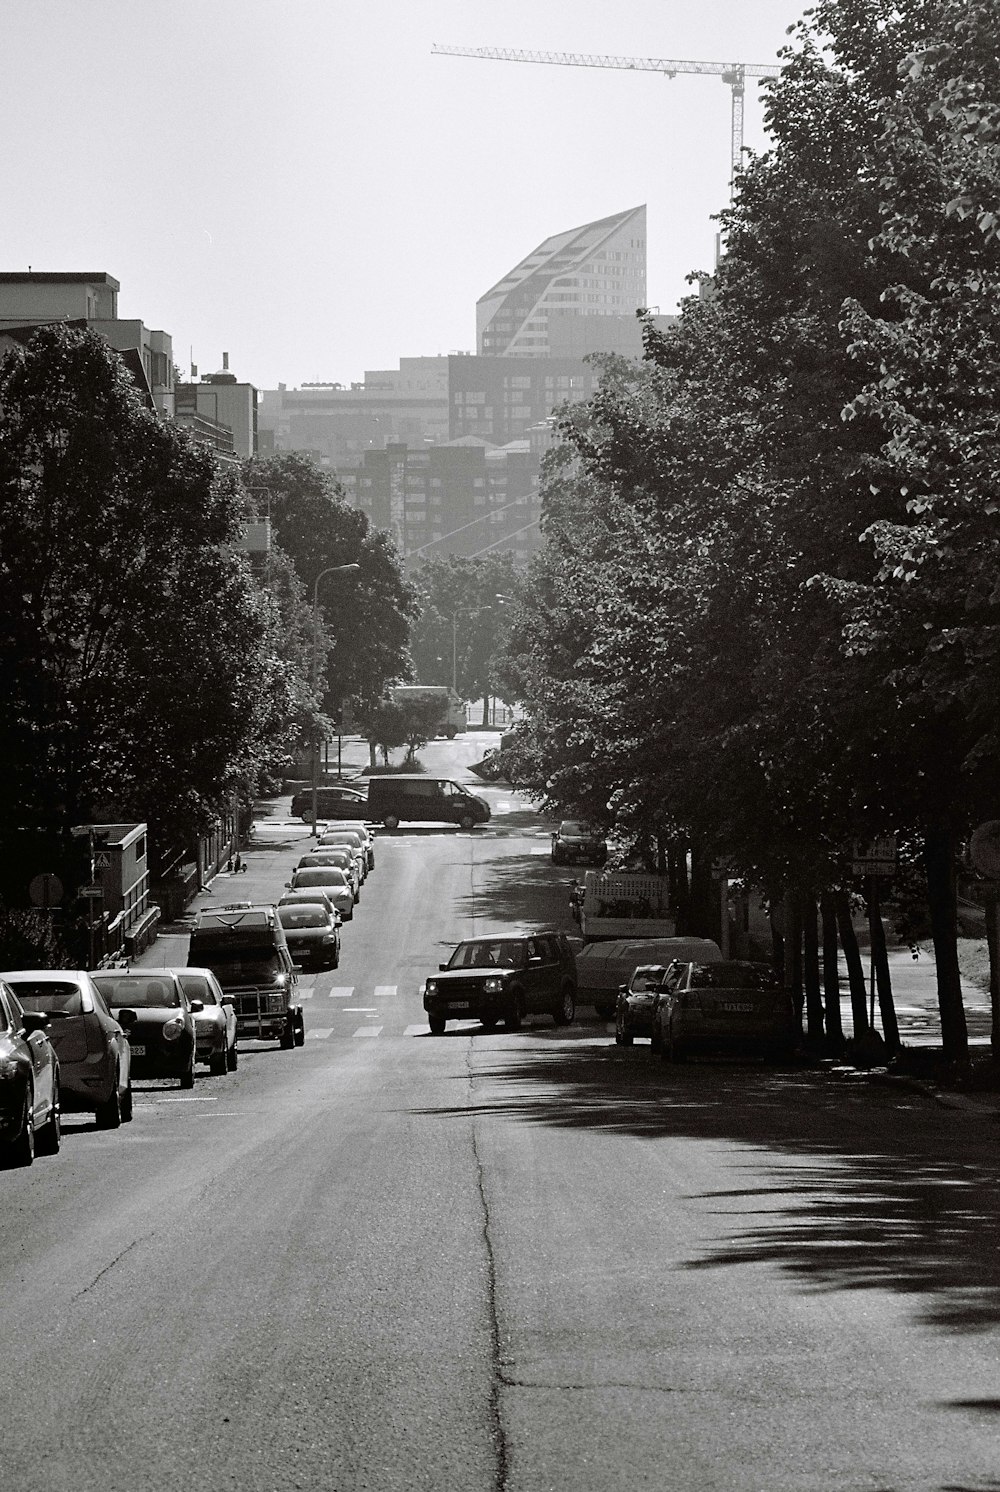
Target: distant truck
451, 718
624, 904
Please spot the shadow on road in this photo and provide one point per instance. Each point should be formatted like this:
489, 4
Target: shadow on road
865, 1187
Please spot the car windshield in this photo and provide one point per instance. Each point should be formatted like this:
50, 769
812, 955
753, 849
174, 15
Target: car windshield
489, 953
306, 914
733, 976
197, 987
575, 827
49, 995
242, 966
320, 875
139, 991
644, 980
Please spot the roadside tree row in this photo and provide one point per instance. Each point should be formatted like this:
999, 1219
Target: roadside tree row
766, 620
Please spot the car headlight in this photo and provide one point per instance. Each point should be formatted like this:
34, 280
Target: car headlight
173, 1028
493, 986
430, 988
281, 980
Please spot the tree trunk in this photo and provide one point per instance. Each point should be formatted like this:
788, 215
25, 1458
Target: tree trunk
702, 912
831, 975
993, 944
810, 970
883, 979
793, 949
680, 890
855, 968
939, 863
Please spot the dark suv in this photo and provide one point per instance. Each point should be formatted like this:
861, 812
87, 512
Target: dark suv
332, 802
504, 978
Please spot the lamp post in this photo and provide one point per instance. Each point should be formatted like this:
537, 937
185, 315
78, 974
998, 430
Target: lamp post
330, 570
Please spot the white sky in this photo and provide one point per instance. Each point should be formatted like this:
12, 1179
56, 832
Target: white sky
302, 184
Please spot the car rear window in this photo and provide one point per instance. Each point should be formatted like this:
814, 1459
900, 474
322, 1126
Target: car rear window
47, 995
139, 992
320, 875
644, 980
306, 914
733, 976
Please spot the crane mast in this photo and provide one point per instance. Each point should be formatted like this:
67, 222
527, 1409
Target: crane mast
734, 74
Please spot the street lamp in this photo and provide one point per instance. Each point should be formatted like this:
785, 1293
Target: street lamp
330, 570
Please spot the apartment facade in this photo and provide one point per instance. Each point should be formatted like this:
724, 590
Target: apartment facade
597, 270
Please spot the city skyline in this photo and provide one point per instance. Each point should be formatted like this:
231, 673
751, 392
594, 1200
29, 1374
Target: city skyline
309, 189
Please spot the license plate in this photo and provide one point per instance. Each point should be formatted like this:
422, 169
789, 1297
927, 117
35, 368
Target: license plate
739, 1009
459, 1005
138, 1050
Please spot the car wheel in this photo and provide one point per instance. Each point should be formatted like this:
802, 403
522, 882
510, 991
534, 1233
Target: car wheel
50, 1134
467, 821
109, 1114
127, 1105
287, 1039
234, 1057
218, 1063
187, 1078
20, 1151
622, 1037
566, 1009
655, 1039
391, 821
300, 1033
335, 961
674, 1052
488, 1022
603, 1010
437, 1024
514, 1019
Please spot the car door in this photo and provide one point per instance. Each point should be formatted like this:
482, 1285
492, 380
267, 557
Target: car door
41, 1055
536, 996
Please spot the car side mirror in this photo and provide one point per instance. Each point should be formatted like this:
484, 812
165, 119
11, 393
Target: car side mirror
126, 1019
442, 966
196, 1006
34, 1020
227, 1000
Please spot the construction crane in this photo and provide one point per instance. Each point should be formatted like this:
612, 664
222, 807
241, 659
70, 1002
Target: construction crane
734, 74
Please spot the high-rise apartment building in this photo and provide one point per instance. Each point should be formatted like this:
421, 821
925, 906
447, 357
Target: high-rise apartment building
597, 270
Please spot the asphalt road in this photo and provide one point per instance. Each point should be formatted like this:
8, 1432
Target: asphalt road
497, 1263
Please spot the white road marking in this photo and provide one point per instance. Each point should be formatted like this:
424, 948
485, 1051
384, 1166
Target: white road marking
385, 991
194, 1098
306, 994
319, 1033
419, 1030
360, 1010
367, 1031
341, 992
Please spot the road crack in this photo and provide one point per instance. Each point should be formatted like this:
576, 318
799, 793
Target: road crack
108, 1267
498, 1379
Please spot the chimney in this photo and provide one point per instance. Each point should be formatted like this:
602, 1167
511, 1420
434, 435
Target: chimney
225, 362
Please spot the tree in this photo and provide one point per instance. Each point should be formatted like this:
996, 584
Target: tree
370, 611
459, 628
150, 687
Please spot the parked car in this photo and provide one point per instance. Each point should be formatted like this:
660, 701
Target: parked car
730, 1006
367, 837
313, 933
30, 1116
575, 842
314, 894
634, 1011
158, 1019
215, 1024
504, 978
340, 856
95, 1059
417, 799
330, 879
332, 802
347, 839
247, 951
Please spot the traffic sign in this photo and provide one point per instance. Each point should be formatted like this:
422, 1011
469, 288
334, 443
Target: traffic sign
876, 857
46, 890
984, 849
91, 893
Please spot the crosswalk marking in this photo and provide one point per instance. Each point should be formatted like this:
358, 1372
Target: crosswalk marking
421, 1029
385, 991
367, 1031
341, 992
319, 1033
306, 994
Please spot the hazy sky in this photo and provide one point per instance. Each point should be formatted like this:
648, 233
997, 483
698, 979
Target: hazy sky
302, 184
